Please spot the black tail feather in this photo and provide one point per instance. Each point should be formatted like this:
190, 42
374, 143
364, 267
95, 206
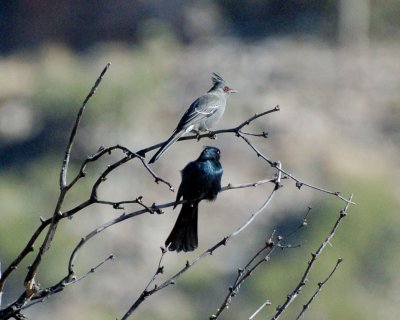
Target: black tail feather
183, 236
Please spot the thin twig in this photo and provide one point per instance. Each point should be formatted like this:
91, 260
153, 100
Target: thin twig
64, 168
157, 178
244, 273
255, 214
303, 223
159, 270
250, 268
247, 185
299, 183
25, 251
42, 295
96, 156
145, 292
266, 303
314, 256
320, 285
105, 173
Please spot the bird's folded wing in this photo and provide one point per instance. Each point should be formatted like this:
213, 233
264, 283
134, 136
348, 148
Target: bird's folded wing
208, 112
203, 107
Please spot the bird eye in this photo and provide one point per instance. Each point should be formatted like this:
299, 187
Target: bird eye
226, 89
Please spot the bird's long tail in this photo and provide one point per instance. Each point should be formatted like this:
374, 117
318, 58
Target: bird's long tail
183, 236
175, 136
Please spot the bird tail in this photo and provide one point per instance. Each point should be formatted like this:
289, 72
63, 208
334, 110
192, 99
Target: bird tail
175, 136
183, 236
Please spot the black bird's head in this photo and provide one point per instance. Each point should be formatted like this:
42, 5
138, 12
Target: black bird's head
220, 85
210, 153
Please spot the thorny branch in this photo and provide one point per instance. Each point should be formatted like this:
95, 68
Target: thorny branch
34, 294
245, 272
93, 199
320, 285
64, 168
60, 286
33, 291
314, 256
299, 183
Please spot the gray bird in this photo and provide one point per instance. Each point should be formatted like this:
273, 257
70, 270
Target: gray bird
202, 115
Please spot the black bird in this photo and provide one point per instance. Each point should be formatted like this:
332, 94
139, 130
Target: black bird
201, 179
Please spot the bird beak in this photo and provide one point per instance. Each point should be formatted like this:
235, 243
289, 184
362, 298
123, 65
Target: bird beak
232, 91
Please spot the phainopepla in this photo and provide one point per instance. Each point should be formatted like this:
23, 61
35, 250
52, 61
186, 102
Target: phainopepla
202, 115
201, 179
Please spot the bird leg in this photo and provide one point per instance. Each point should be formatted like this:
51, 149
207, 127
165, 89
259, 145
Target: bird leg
212, 135
197, 133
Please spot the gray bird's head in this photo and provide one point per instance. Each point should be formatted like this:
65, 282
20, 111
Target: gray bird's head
220, 85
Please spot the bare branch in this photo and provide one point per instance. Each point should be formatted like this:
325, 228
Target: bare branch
145, 292
34, 294
103, 176
320, 285
303, 223
64, 168
157, 178
27, 249
257, 115
43, 295
314, 256
299, 183
247, 185
250, 268
96, 156
255, 214
244, 273
159, 270
266, 303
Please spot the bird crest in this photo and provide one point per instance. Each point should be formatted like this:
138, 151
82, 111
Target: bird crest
216, 78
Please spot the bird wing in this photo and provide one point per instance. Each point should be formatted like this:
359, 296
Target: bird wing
194, 181
203, 107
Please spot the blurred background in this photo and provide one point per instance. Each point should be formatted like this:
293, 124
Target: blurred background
332, 66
